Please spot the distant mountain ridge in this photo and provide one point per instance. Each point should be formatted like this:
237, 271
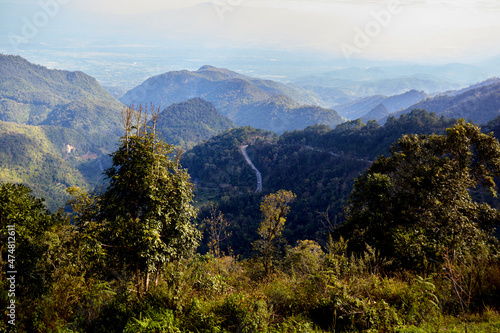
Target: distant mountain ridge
359, 107
488, 82
389, 80
29, 92
362, 107
380, 111
245, 100
479, 105
173, 87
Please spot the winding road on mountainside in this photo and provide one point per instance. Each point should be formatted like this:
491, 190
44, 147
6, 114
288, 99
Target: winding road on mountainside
243, 150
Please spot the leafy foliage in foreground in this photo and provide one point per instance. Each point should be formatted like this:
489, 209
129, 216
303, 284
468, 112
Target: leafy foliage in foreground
274, 208
146, 209
309, 291
416, 206
143, 218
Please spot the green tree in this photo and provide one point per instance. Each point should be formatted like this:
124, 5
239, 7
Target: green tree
417, 205
146, 208
85, 209
32, 245
32, 222
274, 207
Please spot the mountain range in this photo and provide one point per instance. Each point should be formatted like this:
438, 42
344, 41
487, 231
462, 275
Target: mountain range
362, 107
245, 100
479, 105
57, 128
341, 86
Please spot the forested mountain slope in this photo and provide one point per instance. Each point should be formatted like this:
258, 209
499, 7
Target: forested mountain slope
188, 123
29, 92
35, 156
319, 164
58, 127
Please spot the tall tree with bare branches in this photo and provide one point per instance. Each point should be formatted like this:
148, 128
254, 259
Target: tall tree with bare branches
147, 206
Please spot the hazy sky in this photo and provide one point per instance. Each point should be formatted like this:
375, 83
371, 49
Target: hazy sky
419, 29
429, 30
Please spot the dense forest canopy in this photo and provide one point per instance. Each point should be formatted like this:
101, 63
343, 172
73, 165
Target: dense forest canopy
319, 163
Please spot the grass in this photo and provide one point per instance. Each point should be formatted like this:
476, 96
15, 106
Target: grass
486, 322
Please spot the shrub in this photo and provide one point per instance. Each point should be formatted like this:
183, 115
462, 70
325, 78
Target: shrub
305, 258
245, 313
157, 320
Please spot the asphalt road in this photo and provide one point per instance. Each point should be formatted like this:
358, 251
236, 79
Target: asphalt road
243, 150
